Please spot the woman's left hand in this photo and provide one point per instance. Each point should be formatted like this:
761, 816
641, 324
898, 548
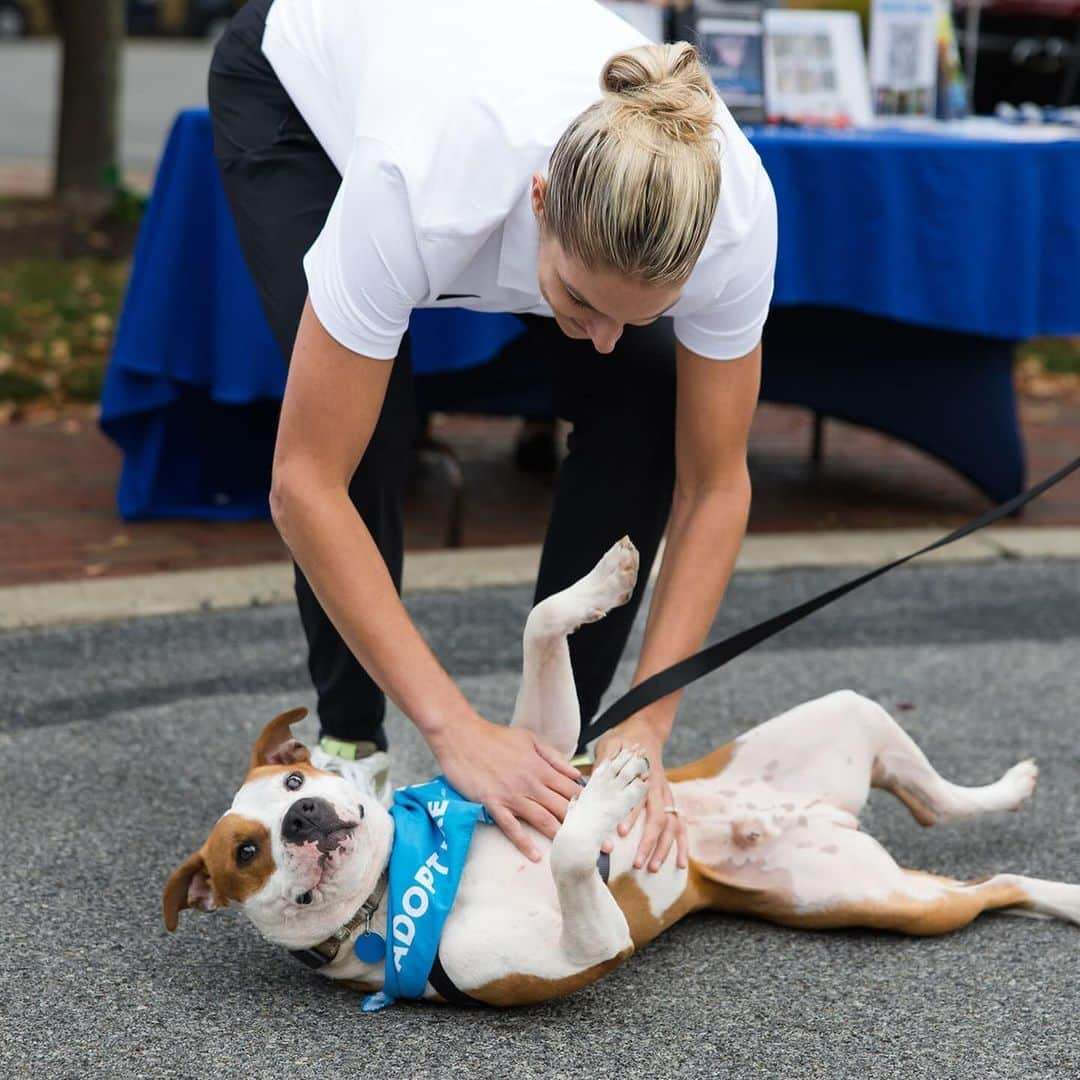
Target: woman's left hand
663, 829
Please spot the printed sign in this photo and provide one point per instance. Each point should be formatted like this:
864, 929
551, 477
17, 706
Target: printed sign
904, 56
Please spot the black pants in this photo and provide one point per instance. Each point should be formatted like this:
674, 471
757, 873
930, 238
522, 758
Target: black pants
617, 477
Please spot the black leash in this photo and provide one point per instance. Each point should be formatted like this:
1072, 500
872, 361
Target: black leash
715, 656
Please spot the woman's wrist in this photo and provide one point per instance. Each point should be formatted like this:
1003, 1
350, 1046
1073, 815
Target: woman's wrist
445, 723
659, 722
652, 728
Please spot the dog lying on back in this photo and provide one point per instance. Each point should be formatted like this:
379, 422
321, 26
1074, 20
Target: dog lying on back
773, 830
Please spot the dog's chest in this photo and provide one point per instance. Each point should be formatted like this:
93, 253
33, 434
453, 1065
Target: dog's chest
498, 877
507, 916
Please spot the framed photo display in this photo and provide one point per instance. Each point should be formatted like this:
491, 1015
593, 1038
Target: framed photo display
728, 35
815, 69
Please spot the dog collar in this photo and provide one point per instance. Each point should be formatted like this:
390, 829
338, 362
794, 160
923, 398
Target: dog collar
322, 954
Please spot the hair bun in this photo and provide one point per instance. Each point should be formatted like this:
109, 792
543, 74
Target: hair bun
666, 83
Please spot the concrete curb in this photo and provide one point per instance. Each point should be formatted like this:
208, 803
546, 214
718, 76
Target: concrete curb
27, 606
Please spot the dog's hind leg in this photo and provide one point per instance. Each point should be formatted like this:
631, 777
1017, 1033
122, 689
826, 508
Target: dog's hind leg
844, 743
901, 768
928, 904
827, 877
547, 700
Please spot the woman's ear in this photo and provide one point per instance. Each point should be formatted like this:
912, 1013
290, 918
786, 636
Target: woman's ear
538, 194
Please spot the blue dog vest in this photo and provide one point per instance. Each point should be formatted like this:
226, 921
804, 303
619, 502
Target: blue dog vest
433, 827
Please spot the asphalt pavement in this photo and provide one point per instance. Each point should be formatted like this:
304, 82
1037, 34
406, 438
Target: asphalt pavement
123, 741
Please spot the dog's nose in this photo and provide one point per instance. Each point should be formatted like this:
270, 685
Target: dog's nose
311, 819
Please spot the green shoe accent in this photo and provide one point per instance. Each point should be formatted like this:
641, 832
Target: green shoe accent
347, 751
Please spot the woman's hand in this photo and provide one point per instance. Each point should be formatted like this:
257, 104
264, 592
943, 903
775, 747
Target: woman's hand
662, 827
513, 772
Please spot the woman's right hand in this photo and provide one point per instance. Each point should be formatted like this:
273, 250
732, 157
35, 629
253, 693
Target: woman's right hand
514, 773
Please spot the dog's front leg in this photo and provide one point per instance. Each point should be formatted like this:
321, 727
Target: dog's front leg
594, 928
547, 702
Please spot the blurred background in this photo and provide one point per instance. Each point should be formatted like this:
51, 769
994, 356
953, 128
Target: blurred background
91, 93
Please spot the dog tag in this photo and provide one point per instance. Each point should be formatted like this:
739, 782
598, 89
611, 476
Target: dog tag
369, 948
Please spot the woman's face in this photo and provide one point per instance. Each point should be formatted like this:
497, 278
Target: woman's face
594, 304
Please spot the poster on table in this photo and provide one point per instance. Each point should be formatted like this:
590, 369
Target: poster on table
904, 56
815, 69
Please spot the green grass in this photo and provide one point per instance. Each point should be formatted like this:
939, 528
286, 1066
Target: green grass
16, 387
1058, 355
57, 319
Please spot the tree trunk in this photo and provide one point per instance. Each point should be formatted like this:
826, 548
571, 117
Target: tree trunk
92, 33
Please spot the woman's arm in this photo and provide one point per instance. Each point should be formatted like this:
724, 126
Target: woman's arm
332, 402
715, 406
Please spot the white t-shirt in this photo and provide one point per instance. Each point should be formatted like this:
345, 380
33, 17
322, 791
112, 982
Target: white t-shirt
437, 114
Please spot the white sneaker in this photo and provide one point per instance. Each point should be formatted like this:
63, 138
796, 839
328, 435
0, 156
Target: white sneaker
370, 771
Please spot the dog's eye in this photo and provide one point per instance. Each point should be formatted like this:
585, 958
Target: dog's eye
294, 781
246, 852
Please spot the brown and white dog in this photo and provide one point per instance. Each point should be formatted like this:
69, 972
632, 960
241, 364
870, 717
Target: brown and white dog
772, 819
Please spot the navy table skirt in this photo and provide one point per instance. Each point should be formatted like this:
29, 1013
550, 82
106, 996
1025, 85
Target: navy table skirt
908, 266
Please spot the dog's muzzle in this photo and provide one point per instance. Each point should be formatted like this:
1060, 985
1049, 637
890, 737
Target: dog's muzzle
312, 820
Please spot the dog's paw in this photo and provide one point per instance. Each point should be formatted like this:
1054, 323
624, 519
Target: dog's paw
1018, 784
1056, 899
616, 786
610, 583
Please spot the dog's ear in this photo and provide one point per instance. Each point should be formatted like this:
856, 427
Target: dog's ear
188, 887
276, 746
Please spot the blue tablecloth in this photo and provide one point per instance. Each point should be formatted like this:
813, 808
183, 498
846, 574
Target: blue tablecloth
968, 236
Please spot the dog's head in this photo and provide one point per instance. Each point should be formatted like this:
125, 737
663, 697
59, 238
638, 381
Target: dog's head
299, 850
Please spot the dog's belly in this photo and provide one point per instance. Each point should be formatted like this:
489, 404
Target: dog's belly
750, 833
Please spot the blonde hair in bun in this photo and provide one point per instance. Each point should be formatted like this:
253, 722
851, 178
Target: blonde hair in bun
634, 180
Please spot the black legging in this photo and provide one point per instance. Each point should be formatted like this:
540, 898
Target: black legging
617, 477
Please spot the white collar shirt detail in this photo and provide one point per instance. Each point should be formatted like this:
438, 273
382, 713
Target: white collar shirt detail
437, 115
